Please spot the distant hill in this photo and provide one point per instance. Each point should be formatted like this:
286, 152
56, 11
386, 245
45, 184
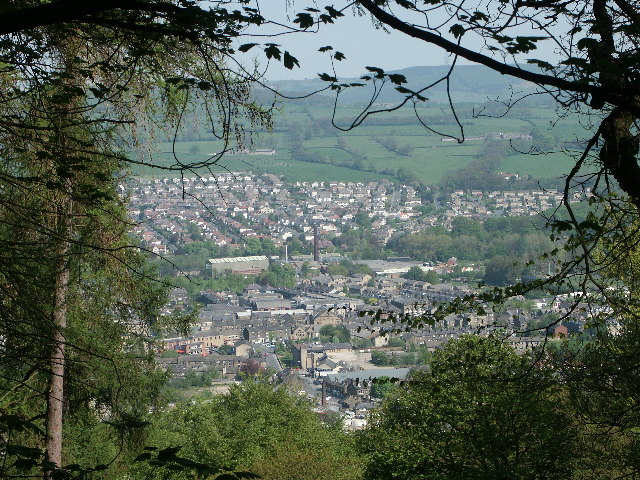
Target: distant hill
468, 83
395, 145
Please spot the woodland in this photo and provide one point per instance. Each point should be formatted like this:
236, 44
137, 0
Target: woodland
85, 87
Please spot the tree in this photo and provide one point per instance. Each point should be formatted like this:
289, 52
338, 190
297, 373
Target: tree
258, 427
337, 269
79, 349
252, 368
305, 269
363, 220
225, 349
415, 273
278, 275
466, 226
382, 387
123, 71
170, 354
75, 78
501, 271
296, 247
334, 333
431, 276
49, 231
480, 411
396, 342
601, 372
379, 358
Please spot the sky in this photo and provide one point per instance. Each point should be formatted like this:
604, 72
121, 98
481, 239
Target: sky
356, 37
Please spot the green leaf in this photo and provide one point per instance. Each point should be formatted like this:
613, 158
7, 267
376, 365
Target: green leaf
23, 451
540, 63
168, 454
24, 464
415, 95
587, 43
339, 56
477, 16
523, 44
562, 225
501, 38
325, 49
14, 422
98, 93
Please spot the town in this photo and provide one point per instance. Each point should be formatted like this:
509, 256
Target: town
338, 329
232, 208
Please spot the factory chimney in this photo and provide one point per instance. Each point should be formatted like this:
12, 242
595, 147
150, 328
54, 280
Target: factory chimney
316, 248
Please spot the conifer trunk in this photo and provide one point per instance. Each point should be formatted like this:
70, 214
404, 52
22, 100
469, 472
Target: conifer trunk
55, 393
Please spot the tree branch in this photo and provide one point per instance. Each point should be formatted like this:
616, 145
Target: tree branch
628, 10
618, 98
63, 11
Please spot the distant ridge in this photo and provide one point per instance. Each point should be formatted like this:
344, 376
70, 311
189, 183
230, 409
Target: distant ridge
470, 83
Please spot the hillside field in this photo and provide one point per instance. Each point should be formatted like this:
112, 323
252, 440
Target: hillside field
384, 141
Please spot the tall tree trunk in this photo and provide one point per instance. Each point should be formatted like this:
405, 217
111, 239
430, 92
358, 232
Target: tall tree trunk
55, 400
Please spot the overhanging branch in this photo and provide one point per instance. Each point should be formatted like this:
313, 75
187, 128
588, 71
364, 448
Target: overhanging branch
63, 11
613, 97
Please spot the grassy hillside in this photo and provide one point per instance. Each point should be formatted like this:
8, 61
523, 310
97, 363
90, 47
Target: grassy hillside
385, 142
308, 147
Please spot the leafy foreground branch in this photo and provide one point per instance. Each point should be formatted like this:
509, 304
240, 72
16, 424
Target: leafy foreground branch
269, 431
482, 412
84, 85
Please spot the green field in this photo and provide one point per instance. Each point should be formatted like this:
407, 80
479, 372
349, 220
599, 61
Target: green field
386, 141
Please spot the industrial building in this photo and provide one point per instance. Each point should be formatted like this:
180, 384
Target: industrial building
242, 265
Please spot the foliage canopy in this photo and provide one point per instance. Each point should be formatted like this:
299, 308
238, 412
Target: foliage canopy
480, 411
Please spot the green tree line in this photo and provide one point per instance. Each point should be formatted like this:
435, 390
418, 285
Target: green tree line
504, 244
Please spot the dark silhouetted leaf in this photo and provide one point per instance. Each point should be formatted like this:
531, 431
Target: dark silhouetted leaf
246, 47
325, 77
305, 20
290, 61
397, 78
272, 51
457, 30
